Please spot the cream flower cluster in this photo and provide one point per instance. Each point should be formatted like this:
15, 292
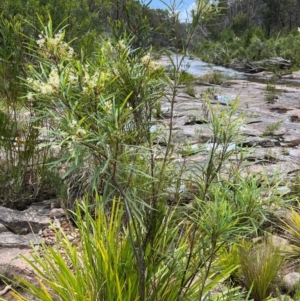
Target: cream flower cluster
122, 45
146, 60
80, 133
56, 45
96, 80
149, 63
39, 86
51, 86
54, 79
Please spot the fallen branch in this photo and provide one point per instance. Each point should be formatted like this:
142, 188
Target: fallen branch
5, 290
263, 65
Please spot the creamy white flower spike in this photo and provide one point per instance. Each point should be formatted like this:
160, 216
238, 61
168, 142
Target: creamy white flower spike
70, 52
146, 59
85, 90
73, 78
94, 79
35, 84
147, 62
57, 38
122, 45
80, 133
153, 66
108, 105
54, 79
46, 89
30, 96
41, 42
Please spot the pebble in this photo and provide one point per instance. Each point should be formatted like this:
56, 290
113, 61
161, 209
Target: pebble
56, 224
70, 237
59, 224
57, 212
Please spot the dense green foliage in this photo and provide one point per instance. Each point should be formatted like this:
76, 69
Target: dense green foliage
252, 30
86, 24
88, 19
251, 46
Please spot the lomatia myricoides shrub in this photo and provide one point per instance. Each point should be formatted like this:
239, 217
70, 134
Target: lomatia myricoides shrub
99, 109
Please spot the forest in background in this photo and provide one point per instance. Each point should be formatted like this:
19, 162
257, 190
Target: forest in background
241, 30
249, 30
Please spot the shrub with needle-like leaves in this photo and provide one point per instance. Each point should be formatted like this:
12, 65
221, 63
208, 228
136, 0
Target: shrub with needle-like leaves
99, 109
103, 265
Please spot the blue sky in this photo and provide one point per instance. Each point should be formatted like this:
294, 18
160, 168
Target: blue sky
182, 6
158, 4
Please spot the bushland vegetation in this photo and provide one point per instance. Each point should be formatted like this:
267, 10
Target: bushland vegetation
251, 30
77, 124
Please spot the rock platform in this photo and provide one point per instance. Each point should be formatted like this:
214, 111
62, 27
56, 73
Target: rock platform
267, 153
270, 129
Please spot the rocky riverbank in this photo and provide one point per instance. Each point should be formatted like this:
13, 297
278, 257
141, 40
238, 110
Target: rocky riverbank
271, 132
271, 128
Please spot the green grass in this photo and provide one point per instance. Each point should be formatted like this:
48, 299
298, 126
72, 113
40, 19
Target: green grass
259, 267
184, 77
272, 128
190, 90
213, 77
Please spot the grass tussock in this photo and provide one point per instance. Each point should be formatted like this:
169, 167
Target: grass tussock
213, 77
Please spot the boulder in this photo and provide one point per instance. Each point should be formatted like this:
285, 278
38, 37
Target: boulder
291, 281
30, 220
10, 240
260, 142
3, 228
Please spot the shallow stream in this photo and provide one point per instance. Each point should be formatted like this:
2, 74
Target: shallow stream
198, 68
